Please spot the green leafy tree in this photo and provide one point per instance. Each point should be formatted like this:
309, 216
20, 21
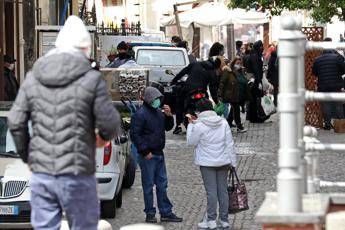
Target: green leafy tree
322, 10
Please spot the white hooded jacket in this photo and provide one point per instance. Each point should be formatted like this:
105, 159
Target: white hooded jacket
212, 138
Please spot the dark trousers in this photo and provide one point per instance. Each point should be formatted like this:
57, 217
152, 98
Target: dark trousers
331, 110
153, 172
235, 113
275, 95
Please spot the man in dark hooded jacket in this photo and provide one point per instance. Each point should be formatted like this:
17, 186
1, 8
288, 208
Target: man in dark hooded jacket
329, 68
71, 113
148, 128
200, 76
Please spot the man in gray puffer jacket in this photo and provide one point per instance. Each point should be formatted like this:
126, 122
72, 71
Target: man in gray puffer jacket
69, 108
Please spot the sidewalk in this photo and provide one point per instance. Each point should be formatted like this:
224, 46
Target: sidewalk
257, 150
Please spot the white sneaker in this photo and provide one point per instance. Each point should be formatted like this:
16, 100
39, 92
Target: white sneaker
203, 225
212, 224
224, 224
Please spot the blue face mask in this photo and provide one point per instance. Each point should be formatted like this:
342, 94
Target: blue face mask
156, 103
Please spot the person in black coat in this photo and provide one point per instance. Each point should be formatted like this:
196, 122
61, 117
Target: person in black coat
216, 49
200, 76
148, 126
273, 75
329, 68
255, 68
10, 81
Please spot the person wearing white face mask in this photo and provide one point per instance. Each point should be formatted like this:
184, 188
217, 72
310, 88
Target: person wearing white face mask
229, 92
11, 83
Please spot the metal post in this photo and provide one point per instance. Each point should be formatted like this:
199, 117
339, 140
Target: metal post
177, 19
289, 178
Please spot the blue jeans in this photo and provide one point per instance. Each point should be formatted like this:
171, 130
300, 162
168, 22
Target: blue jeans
153, 172
134, 153
75, 195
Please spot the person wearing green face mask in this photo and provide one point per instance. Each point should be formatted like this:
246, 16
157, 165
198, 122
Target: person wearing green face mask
148, 126
156, 103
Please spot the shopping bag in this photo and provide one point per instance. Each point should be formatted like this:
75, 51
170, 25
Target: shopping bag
238, 196
219, 108
267, 105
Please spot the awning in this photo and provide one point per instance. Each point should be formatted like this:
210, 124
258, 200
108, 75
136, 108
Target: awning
215, 14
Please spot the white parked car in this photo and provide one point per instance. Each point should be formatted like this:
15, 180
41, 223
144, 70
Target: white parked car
112, 162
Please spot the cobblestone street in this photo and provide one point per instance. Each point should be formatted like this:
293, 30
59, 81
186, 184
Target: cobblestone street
257, 166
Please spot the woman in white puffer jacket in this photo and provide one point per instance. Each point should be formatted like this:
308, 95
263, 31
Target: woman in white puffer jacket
214, 153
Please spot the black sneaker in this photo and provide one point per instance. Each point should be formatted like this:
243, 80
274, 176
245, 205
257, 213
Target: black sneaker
328, 127
151, 218
232, 125
171, 218
177, 130
241, 129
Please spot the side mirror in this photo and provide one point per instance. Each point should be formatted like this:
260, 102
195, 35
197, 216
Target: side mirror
169, 72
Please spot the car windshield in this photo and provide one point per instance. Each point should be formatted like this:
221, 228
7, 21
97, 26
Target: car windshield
161, 57
7, 148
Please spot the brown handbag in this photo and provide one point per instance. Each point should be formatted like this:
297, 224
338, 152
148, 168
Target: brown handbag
238, 196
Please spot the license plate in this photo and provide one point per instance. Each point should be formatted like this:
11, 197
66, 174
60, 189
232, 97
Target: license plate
9, 210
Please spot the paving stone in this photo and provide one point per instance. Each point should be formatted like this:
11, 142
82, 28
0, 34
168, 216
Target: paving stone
257, 166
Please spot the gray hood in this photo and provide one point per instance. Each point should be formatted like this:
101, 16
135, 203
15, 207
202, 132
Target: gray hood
60, 68
210, 118
151, 94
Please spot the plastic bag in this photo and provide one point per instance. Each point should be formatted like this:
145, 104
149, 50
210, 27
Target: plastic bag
267, 105
219, 108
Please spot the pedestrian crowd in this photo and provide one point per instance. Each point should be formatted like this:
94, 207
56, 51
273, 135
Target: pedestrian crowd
71, 114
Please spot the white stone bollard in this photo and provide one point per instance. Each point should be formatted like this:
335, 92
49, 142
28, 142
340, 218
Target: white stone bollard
142, 227
102, 225
289, 179
335, 221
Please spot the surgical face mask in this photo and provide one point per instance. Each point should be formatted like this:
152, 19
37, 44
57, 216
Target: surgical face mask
11, 67
156, 103
237, 67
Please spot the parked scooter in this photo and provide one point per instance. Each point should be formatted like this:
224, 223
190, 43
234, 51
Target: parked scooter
189, 97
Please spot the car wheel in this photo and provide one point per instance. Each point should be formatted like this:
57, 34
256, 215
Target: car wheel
129, 177
119, 199
108, 208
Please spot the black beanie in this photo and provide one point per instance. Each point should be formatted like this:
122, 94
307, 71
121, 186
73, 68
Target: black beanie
203, 105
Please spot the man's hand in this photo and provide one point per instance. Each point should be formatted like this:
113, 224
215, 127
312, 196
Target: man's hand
167, 110
191, 118
149, 156
100, 142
